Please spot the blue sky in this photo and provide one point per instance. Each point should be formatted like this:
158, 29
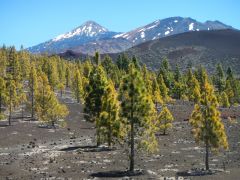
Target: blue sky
29, 22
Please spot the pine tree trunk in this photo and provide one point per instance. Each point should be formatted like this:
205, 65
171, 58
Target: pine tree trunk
109, 136
32, 98
22, 110
164, 130
132, 141
109, 130
53, 124
98, 133
132, 148
206, 157
32, 114
10, 112
0, 104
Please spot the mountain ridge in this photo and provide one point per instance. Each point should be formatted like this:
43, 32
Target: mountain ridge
91, 36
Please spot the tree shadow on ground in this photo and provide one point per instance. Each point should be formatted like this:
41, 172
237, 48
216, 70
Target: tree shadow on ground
112, 174
197, 172
88, 148
4, 125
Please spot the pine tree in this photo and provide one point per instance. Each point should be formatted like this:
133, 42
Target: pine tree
219, 78
3, 94
56, 111
110, 122
22, 97
206, 121
68, 76
147, 78
149, 140
224, 100
156, 93
123, 62
93, 100
3, 62
97, 59
107, 64
165, 72
24, 63
61, 88
193, 88
232, 88
48, 108
13, 66
163, 89
179, 87
229, 91
136, 63
178, 90
77, 85
52, 74
164, 120
137, 109
229, 73
61, 67
87, 68
12, 100
32, 83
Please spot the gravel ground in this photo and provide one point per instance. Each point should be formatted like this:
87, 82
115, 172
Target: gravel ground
30, 152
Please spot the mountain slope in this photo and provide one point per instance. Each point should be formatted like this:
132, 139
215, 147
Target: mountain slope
167, 27
192, 49
90, 36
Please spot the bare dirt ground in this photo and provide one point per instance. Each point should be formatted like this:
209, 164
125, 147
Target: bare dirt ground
30, 152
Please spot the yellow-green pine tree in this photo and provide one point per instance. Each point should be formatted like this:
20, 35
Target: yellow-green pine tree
61, 88
32, 83
206, 121
163, 89
137, 109
164, 120
77, 85
48, 108
193, 88
110, 121
68, 76
93, 101
224, 100
156, 93
3, 94
12, 98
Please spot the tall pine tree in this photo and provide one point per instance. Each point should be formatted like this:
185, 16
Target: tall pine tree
206, 122
93, 100
137, 109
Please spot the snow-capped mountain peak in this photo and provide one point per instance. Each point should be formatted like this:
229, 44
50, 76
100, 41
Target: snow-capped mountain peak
89, 28
166, 27
91, 36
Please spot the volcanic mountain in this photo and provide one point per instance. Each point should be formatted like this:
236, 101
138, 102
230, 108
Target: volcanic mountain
91, 37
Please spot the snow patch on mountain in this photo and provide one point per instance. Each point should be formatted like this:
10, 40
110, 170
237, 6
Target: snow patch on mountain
119, 35
190, 27
142, 35
153, 26
166, 33
142, 29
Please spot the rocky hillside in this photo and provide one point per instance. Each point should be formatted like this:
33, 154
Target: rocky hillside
192, 49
